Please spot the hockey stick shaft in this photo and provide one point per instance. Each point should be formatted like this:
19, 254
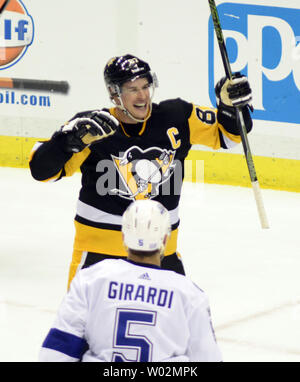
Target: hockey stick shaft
28, 84
240, 117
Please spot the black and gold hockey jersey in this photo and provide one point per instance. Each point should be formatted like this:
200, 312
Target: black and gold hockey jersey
140, 161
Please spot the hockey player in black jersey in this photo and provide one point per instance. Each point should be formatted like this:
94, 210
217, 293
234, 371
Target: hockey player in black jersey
134, 150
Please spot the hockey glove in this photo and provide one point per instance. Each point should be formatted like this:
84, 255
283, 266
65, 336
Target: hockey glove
235, 92
82, 132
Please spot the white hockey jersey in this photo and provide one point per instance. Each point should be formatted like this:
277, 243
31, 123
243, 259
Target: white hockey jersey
120, 311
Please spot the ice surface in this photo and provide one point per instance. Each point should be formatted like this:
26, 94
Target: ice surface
250, 275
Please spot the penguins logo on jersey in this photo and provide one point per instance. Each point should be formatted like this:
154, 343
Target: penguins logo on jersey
143, 171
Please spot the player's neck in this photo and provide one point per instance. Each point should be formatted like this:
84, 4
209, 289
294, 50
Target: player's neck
123, 117
152, 260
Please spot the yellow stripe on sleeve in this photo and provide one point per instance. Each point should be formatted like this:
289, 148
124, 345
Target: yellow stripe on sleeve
74, 163
70, 167
204, 127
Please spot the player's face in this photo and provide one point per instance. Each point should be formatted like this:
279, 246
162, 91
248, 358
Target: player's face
136, 97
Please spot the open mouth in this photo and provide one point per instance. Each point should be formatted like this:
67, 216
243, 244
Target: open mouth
140, 106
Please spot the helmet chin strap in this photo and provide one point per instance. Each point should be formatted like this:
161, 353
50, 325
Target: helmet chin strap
125, 111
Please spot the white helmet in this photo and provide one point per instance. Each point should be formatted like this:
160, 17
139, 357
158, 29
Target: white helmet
145, 225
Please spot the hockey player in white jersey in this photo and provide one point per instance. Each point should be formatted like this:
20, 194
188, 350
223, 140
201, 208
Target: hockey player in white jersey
132, 310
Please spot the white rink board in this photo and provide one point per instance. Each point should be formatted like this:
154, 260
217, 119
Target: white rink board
73, 43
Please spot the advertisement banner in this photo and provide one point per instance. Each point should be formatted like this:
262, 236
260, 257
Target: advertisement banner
263, 43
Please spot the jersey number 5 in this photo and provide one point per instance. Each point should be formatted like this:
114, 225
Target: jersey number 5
128, 338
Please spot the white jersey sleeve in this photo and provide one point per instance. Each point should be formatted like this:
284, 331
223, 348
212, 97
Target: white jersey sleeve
65, 341
202, 345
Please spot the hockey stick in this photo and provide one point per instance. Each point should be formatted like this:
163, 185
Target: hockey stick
28, 84
240, 118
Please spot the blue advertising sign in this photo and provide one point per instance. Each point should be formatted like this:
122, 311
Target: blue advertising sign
263, 43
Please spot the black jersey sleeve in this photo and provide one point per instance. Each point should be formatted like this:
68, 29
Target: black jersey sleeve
48, 159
